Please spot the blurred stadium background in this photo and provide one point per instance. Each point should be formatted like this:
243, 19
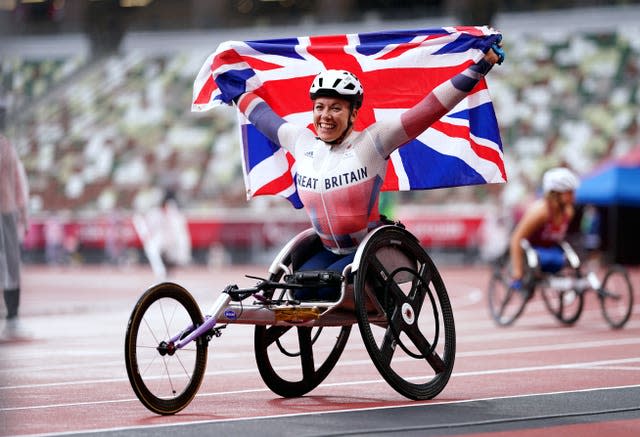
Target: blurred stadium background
98, 96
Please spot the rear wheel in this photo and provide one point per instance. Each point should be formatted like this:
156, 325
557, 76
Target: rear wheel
506, 304
164, 378
616, 297
293, 360
413, 344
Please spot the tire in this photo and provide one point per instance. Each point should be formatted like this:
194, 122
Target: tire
164, 381
398, 278
565, 305
506, 305
292, 360
616, 297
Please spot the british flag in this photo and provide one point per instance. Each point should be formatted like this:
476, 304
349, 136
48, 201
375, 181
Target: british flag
396, 68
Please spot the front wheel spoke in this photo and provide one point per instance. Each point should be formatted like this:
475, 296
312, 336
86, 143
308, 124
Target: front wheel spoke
184, 368
148, 366
151, 330
166, 369
167, 321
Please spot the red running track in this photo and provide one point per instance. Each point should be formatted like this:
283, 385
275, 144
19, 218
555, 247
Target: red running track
69, 376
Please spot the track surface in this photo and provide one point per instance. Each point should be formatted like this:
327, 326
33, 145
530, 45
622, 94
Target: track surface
536, 377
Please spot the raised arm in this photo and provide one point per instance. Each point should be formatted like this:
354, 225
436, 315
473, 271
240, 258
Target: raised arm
445, 97
274, 127
436, 104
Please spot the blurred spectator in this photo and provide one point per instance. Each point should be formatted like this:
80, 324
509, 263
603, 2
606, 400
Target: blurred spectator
115, 244
54, 241
14, 196
165, 236
494, 234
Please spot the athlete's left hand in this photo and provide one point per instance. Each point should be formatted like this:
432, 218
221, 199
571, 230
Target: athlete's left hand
496, 55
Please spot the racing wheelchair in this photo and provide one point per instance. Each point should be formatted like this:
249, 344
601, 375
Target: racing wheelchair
392, 291
563, 292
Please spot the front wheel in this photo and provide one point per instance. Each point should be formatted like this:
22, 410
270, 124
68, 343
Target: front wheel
164, 379
616, 297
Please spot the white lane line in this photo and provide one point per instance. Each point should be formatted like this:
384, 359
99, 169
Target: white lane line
501, 334
585, 365
472, 354
554, 347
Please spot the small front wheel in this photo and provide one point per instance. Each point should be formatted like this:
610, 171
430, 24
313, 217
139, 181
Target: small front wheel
616, 297
164, 378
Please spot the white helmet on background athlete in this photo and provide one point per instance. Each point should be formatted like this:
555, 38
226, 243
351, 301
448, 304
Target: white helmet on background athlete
559, 179
337, 83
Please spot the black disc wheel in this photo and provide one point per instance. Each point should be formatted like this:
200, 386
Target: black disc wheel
165, 378
404, 314
293, 360
564, 302
506, 304
616, 297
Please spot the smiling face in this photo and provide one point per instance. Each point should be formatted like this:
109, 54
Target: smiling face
331, 117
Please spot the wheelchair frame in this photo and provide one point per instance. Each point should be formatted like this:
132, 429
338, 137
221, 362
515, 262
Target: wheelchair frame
395, 284
563, 293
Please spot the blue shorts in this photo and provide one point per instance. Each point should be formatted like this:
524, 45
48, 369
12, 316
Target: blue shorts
551, 259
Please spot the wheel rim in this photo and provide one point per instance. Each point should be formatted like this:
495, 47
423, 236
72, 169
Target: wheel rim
164, 378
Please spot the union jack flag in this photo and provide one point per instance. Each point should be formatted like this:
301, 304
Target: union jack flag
396, 68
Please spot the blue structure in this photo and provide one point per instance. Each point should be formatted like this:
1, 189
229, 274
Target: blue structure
614, 188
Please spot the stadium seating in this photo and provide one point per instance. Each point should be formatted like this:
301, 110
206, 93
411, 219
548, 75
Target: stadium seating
113, 133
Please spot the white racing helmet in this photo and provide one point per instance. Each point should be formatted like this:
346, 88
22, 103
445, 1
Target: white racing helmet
559, 179
337, 83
